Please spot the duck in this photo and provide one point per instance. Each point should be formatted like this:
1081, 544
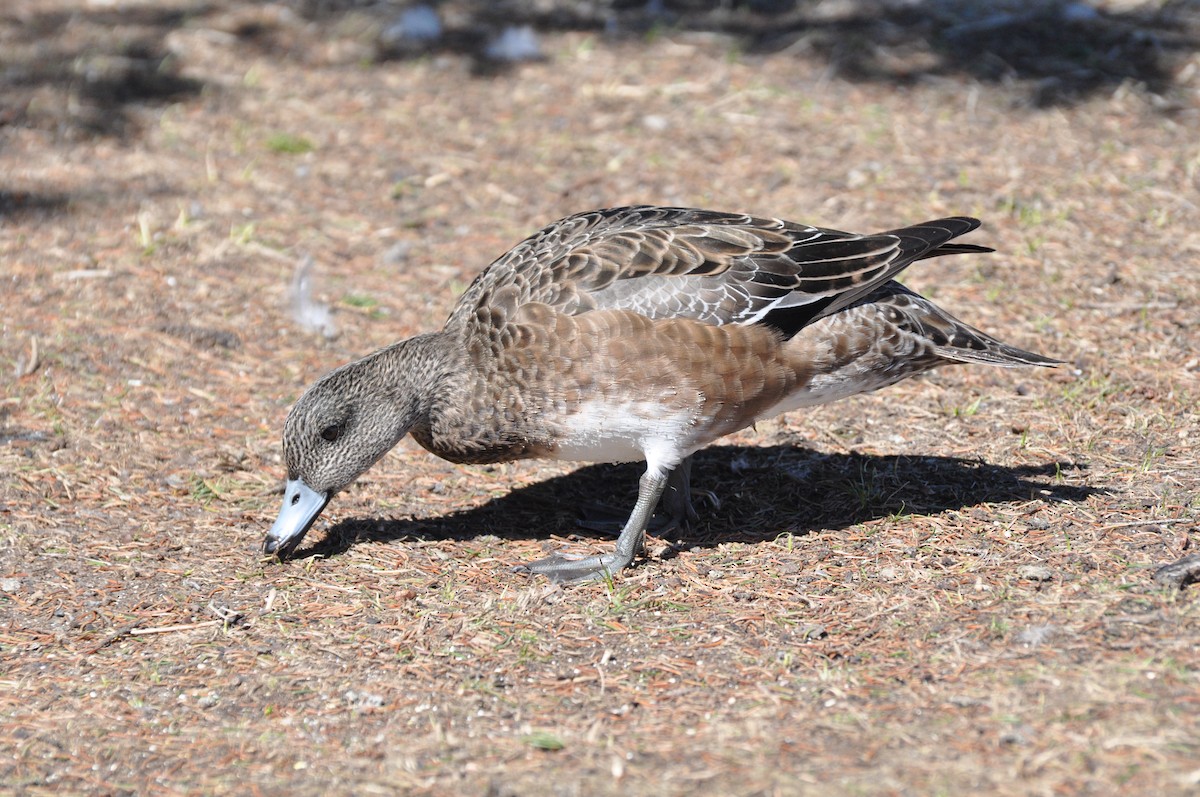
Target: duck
634, 334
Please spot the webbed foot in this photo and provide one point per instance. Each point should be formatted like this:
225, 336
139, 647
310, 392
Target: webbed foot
572, 569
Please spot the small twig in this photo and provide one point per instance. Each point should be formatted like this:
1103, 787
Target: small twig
168, 629
1125, 523
84, 274
227, 615
108, 640
1128, 306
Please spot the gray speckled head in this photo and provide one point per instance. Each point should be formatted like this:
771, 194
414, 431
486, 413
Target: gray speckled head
343, 425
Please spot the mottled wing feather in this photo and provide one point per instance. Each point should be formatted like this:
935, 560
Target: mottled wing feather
711, 267
944, 337
912, 243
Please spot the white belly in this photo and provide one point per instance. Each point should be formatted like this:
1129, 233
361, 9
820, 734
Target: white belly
635, 430
663, 434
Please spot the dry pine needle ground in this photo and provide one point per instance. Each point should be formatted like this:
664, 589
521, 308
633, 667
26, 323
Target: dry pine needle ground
943, 588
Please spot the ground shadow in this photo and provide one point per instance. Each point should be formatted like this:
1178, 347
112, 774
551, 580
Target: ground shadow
29, 205
1055, 53
81, 71
759, 492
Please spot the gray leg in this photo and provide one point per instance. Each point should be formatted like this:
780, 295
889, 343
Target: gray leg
560, 568
677, 501
676, 513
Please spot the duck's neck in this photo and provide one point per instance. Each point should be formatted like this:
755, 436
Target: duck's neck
414, 372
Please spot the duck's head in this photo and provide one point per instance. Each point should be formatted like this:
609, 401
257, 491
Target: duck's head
339, 428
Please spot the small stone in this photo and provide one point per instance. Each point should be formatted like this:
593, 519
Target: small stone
515, 43
1035, 573
1017, 736
813, 632
363, 701
1035, 635
397, 253
1179, 573
655, 122
417, 25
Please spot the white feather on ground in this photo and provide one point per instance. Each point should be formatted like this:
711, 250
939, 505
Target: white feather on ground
309, 314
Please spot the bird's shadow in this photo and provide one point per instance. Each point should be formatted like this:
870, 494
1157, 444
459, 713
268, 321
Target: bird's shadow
753, 494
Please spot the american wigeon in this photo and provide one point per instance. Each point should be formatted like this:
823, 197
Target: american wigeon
634, 333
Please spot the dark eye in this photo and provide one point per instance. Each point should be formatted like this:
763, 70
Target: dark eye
332, 432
